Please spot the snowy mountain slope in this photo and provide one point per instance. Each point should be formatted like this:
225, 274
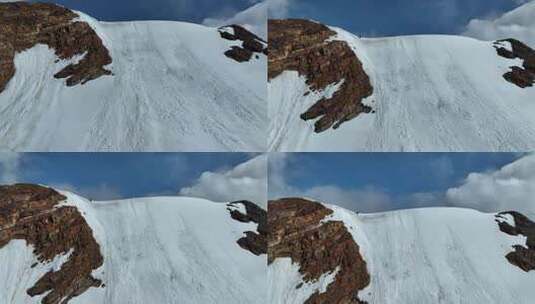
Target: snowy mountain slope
172, 89
433, 255
155, 250
431, 93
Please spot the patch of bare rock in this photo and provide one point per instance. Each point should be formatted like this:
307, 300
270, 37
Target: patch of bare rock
296, 231
304, 46
522, 256
31, 213
253, 241
24, 25
251, 45
523, 76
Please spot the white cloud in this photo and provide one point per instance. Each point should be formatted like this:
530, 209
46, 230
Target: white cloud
9, 167
509, 188
518, 24
364, 199
367, 199
247, 181
255, 17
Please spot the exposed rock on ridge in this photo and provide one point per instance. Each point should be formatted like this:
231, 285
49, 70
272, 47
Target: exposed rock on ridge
521, 76
296, 232
24, 25
31, 213
251, 44
253, 241
303, 46
523, 256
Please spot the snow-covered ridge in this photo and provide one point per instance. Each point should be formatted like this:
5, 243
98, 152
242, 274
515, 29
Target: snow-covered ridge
157, 250
172, 89
429, 255
431, 93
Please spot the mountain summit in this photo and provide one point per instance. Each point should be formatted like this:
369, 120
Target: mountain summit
319, 253
330, 90
63, 248
71, 83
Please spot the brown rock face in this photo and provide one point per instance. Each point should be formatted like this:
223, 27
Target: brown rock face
302, 46
523, 256
296, 231
251, 44
24, 25
30, 213
253, 241
521, 76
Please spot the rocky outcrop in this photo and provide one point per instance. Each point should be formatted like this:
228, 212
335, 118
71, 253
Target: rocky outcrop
522, 256
521, 76
304, 46
251, 45
24, 25
296, 231
31, 213
253, 241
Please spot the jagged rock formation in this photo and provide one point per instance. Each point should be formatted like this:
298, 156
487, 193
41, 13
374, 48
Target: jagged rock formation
296, 231
523, 256
253, 241
31, 213
24, 25
303, 46
521, 76
251, 44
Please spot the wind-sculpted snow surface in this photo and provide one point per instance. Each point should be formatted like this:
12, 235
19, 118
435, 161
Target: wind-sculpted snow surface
154, 250
430, 93
172, 89
432, 255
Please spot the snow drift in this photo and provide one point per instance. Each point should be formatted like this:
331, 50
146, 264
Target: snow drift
154, 250
169, 87
433, 255
430, 93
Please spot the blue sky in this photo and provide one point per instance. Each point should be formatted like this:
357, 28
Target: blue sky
381, 181
182, 10
116, 175
399, 17
363, 17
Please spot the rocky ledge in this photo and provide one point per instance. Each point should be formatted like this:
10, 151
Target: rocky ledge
253, 241
24, 25
523, 76
251, 45
304, 46
32, 213
296, 231
522, 256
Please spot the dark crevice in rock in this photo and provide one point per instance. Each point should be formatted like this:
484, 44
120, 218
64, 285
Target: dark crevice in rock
251, 44
303, 46
523, 76
31, 213
253, 241
522, 256
24, 25
296, 231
